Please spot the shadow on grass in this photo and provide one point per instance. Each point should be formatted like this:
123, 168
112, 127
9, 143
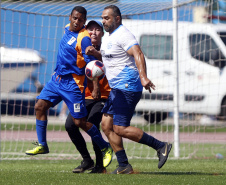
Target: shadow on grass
181, 173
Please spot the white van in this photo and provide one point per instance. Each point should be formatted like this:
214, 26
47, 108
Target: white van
202, 67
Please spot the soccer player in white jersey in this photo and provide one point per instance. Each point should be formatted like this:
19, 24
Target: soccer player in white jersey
126, 73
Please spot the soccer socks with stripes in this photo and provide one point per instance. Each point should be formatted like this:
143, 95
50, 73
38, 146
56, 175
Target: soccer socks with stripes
41, 131
122, 158
96, 136
151, 141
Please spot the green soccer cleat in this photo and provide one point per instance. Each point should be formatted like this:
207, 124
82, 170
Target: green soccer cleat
107, 156
39, 149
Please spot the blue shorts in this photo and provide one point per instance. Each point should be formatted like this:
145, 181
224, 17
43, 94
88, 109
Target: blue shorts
121, 104
65, 88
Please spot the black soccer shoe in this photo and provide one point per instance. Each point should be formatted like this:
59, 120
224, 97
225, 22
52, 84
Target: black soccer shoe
85, 165
99, 169
123, 170
163, 154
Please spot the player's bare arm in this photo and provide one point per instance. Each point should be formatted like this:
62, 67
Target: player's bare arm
90, 50
96, 90
138, 55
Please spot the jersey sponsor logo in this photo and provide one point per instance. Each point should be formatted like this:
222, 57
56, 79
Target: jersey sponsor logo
106, 56
71, 41
109, 45
76, 107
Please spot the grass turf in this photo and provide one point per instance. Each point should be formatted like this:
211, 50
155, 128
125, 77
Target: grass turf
191, 171
148, 127
66, 150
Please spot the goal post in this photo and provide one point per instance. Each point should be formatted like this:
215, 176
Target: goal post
176, 82
184, 46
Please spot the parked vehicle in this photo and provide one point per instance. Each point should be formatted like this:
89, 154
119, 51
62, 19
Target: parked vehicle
202, 67
17, 64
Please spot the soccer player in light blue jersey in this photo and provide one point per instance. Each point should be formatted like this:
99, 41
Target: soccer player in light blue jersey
68, 83
126, 74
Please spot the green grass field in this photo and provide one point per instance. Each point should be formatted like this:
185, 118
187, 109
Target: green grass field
191, 171
66, 150
201, 168
149, 127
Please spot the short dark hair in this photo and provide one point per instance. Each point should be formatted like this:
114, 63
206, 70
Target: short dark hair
116, 10
81, 10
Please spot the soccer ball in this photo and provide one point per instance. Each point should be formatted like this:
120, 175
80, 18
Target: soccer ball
95, 69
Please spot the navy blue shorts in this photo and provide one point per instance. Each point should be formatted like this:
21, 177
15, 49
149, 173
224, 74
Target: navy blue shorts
65, 88
121, 104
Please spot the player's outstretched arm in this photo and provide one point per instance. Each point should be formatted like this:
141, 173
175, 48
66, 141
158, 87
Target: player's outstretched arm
138, 55
90, 50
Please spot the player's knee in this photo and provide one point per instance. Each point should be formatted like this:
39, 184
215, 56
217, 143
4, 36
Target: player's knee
40, 107
79, 123
103, 126
105, 130
83, 124
119, 130
106, 127
70, 125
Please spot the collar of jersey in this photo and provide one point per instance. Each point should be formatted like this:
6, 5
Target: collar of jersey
116, 29
74, 31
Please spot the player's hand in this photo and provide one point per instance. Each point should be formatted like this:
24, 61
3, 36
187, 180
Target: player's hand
147, 84
90, 50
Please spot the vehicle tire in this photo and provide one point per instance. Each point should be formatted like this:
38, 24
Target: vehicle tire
223, 110
150, 117
155, 117
161, 116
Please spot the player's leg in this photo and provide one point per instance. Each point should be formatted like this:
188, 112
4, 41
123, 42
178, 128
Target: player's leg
94, 116
75, 100
48, 98
96, 136
107, 127
79, 142
137, 135
114, 139
125, 105
41, 123
116, 143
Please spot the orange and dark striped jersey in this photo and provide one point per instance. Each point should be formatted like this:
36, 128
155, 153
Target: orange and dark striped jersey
104, 88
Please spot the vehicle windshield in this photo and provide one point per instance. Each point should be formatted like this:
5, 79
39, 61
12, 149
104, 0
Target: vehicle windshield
223, 37
157, 46
204, 48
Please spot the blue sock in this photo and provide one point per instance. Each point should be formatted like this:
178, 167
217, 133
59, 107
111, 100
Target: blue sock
96, 136
41, 131
151, 141
122, 158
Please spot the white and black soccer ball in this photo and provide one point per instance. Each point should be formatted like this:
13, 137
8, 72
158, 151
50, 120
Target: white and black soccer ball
95, 69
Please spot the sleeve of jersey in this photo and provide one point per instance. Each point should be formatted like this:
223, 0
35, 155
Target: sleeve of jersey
128, 40
86, 41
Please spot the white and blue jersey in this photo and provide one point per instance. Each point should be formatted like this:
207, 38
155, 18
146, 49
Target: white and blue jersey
121, 70
122, 74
